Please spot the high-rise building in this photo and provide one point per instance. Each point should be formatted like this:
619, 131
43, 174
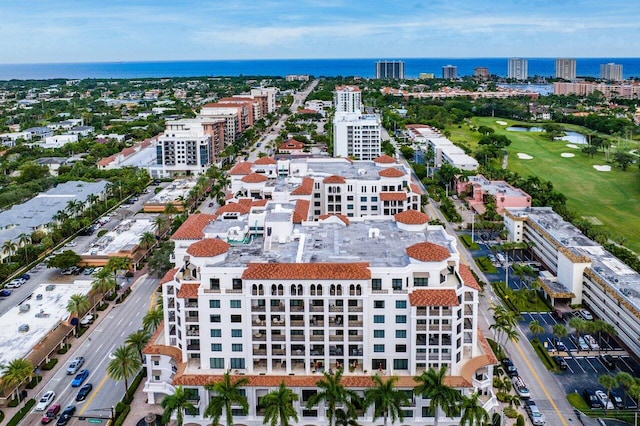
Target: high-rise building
481, 72
185, 147
611, 71
450, 72
355, 134
390, 70
347, 99
517, 69
566, 69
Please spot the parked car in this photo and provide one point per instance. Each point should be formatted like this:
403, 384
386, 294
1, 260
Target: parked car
591, 341
582, 344
602, 396
617, 399
84, 391
559, 345
66, 415
45, 400
25, 277
591, 399
80, 377
51, 414
88, 271
608, 361
585, 315
557, 314
560, 362
509, 368
75, 365
537, 418
520, 387
5, 293
16, 283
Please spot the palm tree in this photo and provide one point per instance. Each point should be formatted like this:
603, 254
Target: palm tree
226, 394
472, 411
170, 210
609, 330
161, 224
343, 418
147, 240
78, 304
577, 324
279, 406
124, 364
138, 340
152, 319
104, 282
177, 403
117, 263
559, 331
386, 399
8, 248
431, 386
626, 380
505, 324
15, 373
535, 328
608, 382
333, 393
23, 240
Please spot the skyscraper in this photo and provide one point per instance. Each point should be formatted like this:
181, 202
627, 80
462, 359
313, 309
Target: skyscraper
355, 134
611, 71
517, 69
481, 72
450, 72
566, 68
390, 70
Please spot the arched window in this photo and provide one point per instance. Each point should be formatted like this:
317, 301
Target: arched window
254, 290
293, 290
332, 290
319, 290
352, 290
339, 290
260, 289
300, 292
313, 289
274, 289
280, 290
358, 290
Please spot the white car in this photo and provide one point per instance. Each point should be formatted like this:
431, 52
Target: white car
45, 400
602, 396
17, 283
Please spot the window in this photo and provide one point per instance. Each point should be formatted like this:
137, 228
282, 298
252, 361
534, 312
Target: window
349, 206
378, 348
363, 199
374, 199
378, 334
216, 362
401, 348
363, 208
378, 319
214, 304
237, 362
401, 319
236, 303
216, 332
376, 284
396, 283
236, 284
401, 334
401, 304
400, 364
349, 197
214, 283
236, 318
216, 347
421, 281
236, 347
214, 318
236, 332
378, 304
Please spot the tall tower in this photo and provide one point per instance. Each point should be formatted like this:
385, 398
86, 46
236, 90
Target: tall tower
566, 69
347, 99
450, 72
390, 70
611, 71
517, 69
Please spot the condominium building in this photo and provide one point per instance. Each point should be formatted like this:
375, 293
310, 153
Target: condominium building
439, 148
272, 301
566, 69
629, 90
517, 68
390, 70
450, 72
355, 134
184, 149
611, 71
481, 72
582, 271
347, 99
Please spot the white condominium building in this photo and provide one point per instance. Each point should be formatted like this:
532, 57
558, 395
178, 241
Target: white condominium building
518, 69
270, 300
566, 69
184, 149
355, 134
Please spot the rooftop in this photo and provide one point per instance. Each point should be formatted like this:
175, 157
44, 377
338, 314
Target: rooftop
496, 186
178, 188
123, 238
320, 167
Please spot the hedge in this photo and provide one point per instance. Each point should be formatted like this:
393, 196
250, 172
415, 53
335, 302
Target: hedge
121, 418
543, 354
49, 365
22, 413
64, 349
34, 382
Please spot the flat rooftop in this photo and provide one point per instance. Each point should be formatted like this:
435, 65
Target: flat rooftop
173, 192
363, 170
47, 307
123, 238
494, 187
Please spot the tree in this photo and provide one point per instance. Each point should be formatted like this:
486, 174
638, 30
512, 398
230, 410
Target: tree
627, 381
431, 385
504, 325
117, 263
64, 260
333, 393
623, 159
225, 394
152, 319
138, 340
177, 403
124, 364
577, 324
279, 406
147, 240
608, 382
23, 240
78, 304
161, 224
104, 282
15, 373
535, 328
472, 411
387, 401
8, 248
559, 331
343, 418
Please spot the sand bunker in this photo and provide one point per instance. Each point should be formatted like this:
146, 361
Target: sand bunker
502, 123
567, 155
602, 168
524, 156
573, 146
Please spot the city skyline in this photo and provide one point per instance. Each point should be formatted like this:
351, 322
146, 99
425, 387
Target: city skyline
141, 30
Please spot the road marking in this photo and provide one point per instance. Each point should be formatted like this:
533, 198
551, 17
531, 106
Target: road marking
542, 386
94, 393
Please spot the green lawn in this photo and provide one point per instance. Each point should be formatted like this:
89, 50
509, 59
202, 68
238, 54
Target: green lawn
611, 197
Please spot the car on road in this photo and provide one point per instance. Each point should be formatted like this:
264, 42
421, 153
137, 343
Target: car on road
51, 414
560, 362
617, 399
66, 415
537, 418
75, 365
585, 315
5, 293
84, 391
591, 399
602, 396
80, 377
608, 361
509, 368
45, 400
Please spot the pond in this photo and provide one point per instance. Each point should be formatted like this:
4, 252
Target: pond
571, 137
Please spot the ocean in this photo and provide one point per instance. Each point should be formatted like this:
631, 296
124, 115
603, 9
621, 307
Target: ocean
586, 67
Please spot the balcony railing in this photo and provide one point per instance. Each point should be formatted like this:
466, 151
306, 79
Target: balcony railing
315, 338
192, 319
258, 308
355, 308
277, 337
335, 338
356, 338
333, 308
317, 308
355, 323
297, 338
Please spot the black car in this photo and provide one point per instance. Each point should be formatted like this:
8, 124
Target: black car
84, 391
608, 361
590, 397
66, 415
560, 362
618, 399
509, 368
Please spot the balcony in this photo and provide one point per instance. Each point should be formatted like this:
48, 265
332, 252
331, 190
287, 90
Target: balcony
277, 308
259, 352
333, 308
297, 338
317, 308
355, 323
192, 319
233, 291
296, 308
316, 338
355, 308
356, 338
193, 347
335, 338
278, 337
258, 308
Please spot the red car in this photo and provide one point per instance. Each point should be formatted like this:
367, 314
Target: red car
51, 414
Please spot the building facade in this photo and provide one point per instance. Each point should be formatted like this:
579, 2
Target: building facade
623, 91
184, 149
517, 68
566, 69
611, 72
450, 72
390, 70
481, 72
355, 134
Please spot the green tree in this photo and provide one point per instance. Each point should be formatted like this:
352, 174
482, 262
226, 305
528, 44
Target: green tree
8, 248
432, 386
104, 282
125, 364
225, 394
23, 241
15, 373
279, 407
623, 159
577, 324
535, 328
64, 260
117, 263
138, 340
387, 401
343, 418
152, 319
608, 382
147, 240
472, 411
78, 304
627, 381
177, 403
332, 392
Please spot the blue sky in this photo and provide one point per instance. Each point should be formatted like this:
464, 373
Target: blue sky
41, 31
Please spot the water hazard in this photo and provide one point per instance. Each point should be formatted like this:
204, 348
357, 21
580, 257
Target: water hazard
571, 137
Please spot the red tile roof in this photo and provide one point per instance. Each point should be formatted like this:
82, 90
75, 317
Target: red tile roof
307, 271
391, 172
393, 196
259, 203
428, 252
188, 291
411, 217
301, 212
434, 297
241, 208
171, 273
106, 160
342, 217
255, 178
265, 160
305, 188
208, 247
415, 188
468, 278
334, 179
242, 168
192, 228
307, 111
291, 144
384, 159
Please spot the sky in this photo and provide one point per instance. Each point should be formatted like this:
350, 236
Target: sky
58, 31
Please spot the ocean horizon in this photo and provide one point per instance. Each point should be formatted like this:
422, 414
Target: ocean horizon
362, 67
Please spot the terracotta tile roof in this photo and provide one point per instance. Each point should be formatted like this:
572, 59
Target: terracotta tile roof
428, 252
291, 144
434, 297
384, 159
208, 247
188, 291
255, 178
242, 168
468, 278
342, 217
155, 349
391, 172
411, 217
393, 196
171, 273
486, 348
106, 160
259, 203
307, 111
265, 160
415, 188
234, 207
305, 188
334, 179
192, 228
301, 211
307, 271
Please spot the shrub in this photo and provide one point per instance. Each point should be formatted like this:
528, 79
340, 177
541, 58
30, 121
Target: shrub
543, 354
64, 349
34, 382
49, 365
510, 412
121, 418
13, 403
520, 420
102, 232
102, 306
23, 412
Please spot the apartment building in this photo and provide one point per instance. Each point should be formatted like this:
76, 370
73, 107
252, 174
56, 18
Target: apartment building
481, 73
565, 68
355, 134
583, 271
439, 147
517, 68
232, 116
270, 300
269, 93
480, 190
390, 70
184, 149
450, 72
611, 71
